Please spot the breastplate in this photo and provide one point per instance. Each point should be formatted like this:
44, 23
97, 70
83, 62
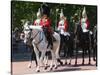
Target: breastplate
83, 22
61, 23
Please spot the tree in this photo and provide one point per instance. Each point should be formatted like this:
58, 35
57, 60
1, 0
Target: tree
27, 10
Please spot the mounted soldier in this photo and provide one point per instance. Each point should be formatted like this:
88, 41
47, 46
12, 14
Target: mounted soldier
63, 27
63, 24
46, 25
63, 31
84, 21
82, 36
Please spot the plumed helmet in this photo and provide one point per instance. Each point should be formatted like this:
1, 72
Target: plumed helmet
38, 13
45, 10
61, 14
84, 13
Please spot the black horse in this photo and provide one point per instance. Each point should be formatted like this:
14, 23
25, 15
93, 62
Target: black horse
82, 41
67, 46
69, 43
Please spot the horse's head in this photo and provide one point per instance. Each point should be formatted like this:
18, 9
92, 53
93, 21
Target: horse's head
27, 32
31, 32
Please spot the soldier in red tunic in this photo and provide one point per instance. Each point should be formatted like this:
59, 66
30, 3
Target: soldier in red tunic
84, 21
62, 24
46, 24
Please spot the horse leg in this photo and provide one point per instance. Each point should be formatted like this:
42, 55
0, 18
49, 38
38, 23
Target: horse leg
70, 56
83, 56
53, 59
58, 60
42, 56
57, 57
89, 57
65, 51
66, 56
37, 58
76, 57
29, 66
46, 60
38, 66
76, 48
96, 55
33, 56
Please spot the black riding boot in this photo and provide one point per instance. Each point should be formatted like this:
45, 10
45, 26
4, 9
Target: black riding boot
49, 37
50, 41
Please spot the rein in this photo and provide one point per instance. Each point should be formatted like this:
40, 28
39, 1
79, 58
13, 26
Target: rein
35, 37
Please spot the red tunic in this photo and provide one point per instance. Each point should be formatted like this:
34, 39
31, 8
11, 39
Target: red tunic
37, 22
46, 23
87, 22
65, 25
34, 23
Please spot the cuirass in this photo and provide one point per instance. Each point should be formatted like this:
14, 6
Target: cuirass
61, 23
83, 22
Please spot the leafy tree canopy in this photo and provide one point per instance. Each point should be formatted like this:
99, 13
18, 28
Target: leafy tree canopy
24, 10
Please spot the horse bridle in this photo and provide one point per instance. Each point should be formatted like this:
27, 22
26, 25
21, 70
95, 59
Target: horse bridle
35, 36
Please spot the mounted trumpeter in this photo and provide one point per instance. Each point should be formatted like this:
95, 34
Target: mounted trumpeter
84, 21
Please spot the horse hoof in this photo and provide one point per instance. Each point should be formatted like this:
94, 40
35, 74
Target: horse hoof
65, 63
51, 69
83, 63
46, 64
38, 71
29, 67
61, 63
53, 65
75, 63
89, 63
94, 59
56, 67
46, 68
69, 63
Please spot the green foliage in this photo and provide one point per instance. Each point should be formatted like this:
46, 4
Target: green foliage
27, 10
